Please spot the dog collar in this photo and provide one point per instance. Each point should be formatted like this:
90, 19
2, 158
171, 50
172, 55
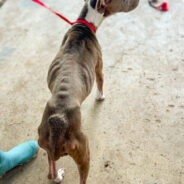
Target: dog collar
91, 26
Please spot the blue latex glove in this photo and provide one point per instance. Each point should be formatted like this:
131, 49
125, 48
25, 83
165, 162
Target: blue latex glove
18, 155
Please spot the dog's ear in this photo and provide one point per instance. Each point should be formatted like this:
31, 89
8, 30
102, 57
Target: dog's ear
110, 7
102, 4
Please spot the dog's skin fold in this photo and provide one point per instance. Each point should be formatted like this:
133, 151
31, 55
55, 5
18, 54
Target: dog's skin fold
70, 80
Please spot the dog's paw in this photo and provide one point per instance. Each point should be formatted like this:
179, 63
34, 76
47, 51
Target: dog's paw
99, 96
59, 176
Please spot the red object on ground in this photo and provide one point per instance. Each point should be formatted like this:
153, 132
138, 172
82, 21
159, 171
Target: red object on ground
163, 6
91, 26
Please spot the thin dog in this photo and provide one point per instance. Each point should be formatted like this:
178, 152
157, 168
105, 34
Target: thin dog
70, 80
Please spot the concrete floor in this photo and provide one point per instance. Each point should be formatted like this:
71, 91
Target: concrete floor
137, 134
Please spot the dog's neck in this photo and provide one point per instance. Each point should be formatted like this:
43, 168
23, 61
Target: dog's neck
90, 13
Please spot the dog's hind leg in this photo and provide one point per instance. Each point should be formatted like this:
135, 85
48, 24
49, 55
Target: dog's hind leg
99, 79
52, 169
81, 156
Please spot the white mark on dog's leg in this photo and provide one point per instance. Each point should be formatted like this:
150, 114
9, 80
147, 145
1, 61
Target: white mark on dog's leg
59, 176
99, 96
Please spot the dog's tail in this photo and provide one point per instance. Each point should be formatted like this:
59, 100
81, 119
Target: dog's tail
58, 125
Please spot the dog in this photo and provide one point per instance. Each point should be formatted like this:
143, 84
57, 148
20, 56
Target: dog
70, 80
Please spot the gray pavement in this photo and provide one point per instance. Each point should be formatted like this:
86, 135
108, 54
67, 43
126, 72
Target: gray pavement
137, 134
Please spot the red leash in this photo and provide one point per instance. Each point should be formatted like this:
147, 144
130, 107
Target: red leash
64, 18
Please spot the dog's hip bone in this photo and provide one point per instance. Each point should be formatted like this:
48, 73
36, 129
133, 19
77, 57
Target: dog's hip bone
59, 175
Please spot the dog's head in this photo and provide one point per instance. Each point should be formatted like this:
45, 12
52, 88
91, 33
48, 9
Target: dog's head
110, 7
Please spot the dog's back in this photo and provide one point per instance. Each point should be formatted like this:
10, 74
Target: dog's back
70, 80
71, 74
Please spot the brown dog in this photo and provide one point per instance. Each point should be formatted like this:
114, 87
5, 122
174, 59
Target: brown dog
70, 80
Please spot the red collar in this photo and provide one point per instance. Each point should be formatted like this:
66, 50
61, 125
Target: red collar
91, 26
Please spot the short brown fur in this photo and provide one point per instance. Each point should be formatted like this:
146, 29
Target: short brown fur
70, 80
